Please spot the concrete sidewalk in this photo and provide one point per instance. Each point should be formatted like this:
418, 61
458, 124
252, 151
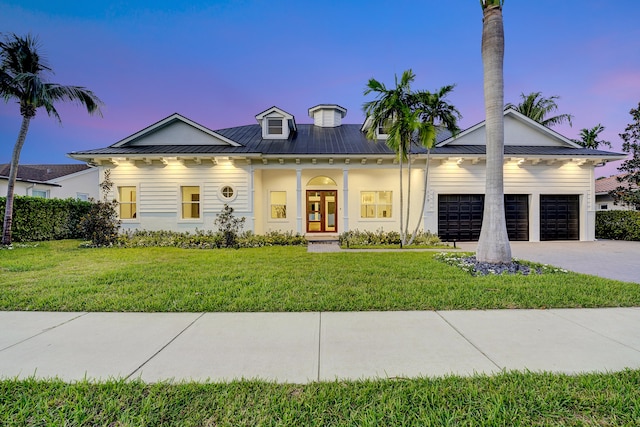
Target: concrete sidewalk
305, 347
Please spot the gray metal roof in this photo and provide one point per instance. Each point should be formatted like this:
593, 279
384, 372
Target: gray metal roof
310, 140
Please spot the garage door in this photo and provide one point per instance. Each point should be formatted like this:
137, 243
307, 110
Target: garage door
460, 216
559, 217
516, 211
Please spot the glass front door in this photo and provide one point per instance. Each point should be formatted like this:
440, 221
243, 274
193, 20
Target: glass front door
322, 211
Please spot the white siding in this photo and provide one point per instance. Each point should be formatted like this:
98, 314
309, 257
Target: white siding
533, 180
84, 182
177, 133
516, 132
158, 202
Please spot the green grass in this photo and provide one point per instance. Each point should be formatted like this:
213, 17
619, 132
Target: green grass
61, 276
509, 399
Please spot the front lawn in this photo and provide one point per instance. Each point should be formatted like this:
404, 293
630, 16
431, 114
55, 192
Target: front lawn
510, 399
61, 276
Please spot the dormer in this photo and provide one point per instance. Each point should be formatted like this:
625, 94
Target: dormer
276, 123
380, 131
327, 115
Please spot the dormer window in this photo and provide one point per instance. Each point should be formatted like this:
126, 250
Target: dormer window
276, 123
275, 126
381, 131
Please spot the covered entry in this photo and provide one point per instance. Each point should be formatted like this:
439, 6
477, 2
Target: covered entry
460, 216
322, 211
559, 217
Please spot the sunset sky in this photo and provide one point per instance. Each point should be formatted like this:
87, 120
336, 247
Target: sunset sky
220, 63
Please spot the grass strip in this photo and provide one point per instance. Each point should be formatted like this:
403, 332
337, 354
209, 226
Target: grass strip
60, 276
514, 399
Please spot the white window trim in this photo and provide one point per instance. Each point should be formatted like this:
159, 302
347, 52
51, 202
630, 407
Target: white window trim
227, 199
47, 193
201, 203
376, 219
117, 198
269, 204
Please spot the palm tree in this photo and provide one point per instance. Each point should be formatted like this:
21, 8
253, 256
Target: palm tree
537, 107
411, 118
435, 113
493, 245
389, 111
22, 78
589, 138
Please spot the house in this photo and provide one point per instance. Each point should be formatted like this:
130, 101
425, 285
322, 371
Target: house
324, 178
604, 201
77, 181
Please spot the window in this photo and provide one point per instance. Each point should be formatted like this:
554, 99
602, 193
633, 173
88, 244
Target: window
82, 196
227, 192
190, 202
278, 204
127, 200
383, 129
40, 193
604, 207
274, 126
375, 204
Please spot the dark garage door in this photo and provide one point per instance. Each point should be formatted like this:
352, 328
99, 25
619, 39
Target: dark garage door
460, 216
559, 217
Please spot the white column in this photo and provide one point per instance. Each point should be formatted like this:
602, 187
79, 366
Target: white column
252, 193
345, 200
299, 199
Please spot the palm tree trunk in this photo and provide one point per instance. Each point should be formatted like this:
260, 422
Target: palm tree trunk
401, 204
493, 245
406, 224
13, 174
424, 197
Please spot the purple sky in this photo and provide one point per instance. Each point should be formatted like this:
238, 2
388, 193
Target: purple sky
222, 62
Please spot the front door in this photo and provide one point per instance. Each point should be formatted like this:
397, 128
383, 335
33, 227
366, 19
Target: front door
322, 211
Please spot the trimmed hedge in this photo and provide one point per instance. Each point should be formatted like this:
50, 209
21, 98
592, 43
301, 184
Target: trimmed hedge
381, 237
618, 225
36, 218
206, 239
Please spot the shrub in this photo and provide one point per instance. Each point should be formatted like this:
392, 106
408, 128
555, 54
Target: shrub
100, 225
37, 219
229, 226
272, 238
618, 225
206, 239
380, 237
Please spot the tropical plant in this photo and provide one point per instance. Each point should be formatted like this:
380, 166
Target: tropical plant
410, 119
23, 79
229, 226
629, 191
589, 138
437, 114
391, 106
101, 224
537, 107
493, 244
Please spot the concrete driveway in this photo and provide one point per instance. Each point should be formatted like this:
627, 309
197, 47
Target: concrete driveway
612, 259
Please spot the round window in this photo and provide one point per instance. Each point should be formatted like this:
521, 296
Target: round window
227, 192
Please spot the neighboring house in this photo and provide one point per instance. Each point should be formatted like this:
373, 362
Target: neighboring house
604, 201
325, 178
77, 181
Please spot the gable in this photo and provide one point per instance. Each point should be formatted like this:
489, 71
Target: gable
176, 133
175, 130
518, 131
